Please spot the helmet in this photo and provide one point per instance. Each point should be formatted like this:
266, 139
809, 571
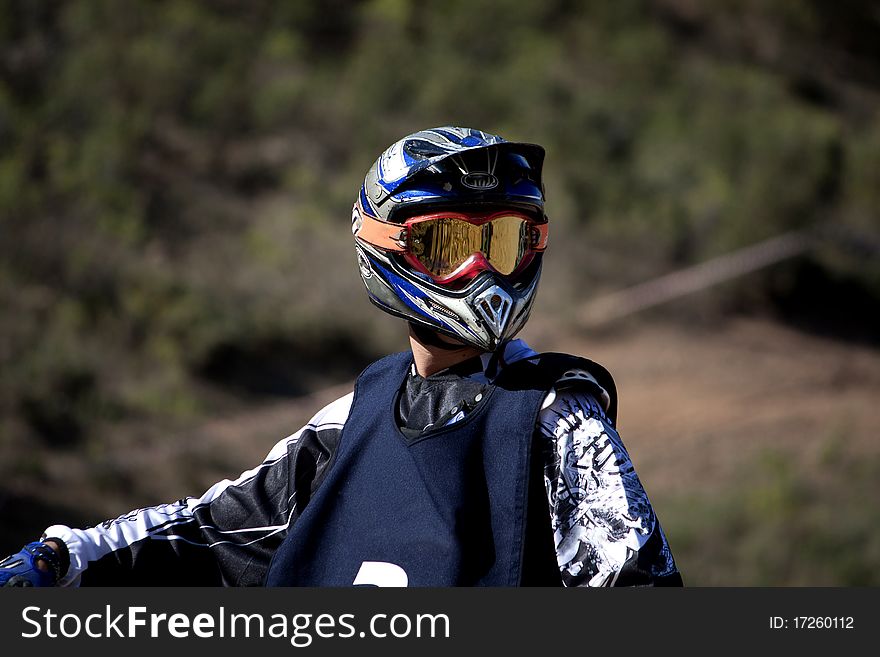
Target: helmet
475, 202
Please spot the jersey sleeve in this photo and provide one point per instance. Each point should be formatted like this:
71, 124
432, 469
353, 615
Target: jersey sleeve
605, 530
226, 536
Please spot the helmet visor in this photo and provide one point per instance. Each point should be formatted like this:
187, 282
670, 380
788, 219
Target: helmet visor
446, 245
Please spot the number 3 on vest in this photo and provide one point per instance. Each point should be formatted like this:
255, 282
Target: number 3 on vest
381, 573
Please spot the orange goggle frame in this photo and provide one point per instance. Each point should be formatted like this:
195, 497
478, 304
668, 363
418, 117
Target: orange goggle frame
449, 245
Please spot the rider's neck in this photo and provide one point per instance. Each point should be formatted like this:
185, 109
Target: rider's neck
430, 359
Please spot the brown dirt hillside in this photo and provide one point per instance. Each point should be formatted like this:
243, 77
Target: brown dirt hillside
696, 406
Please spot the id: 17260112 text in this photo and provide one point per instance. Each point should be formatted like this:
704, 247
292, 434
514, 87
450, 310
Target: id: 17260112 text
812, 623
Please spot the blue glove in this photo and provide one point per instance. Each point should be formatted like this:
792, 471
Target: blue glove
21, 569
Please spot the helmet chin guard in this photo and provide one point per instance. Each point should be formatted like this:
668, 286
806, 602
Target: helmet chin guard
449, 168
493, 306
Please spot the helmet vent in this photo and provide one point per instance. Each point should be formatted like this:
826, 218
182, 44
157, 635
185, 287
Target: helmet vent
479, 181
494, 306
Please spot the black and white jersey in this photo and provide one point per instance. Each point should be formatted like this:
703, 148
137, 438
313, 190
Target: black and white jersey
605, 530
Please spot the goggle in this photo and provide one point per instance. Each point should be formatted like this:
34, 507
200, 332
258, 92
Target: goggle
451, 245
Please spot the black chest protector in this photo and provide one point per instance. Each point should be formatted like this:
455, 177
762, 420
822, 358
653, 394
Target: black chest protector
461, 505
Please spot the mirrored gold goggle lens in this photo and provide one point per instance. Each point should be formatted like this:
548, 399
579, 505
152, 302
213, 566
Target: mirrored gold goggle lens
442, 244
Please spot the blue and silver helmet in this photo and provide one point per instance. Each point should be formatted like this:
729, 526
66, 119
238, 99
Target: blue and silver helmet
450, 168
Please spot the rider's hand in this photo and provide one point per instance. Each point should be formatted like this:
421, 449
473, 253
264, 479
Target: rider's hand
41, 563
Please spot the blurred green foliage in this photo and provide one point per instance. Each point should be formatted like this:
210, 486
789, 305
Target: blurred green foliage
783, 525
176, 177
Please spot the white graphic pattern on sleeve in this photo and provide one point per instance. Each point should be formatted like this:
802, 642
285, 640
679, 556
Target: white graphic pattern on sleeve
600, 513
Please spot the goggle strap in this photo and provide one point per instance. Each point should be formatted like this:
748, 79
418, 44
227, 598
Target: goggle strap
383, 234
543, 236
